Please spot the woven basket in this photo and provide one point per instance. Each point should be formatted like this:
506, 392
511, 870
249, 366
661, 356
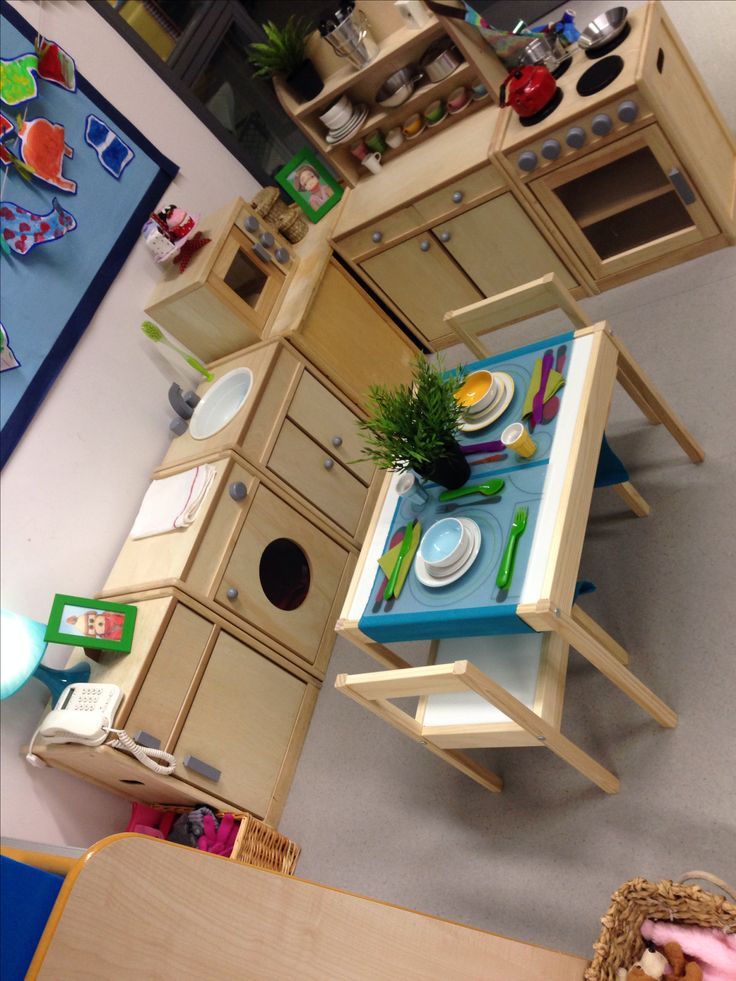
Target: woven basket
620, 943
292, 224
268, 204
256, 843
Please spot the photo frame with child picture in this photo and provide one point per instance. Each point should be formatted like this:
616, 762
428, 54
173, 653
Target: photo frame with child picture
92, 623
307, 181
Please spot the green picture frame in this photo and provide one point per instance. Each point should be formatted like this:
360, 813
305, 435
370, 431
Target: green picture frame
94, 623
319, 192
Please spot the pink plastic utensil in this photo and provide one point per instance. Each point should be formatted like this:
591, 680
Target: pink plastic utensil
552, 407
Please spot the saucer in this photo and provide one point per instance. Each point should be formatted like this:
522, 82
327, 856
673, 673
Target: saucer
346, 132
438, 121
495, 410
434, 582
418, 133
454, 112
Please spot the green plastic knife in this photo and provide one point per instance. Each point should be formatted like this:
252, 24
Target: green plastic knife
403, 552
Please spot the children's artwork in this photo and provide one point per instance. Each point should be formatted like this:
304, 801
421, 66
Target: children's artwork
49, 295
307, 181
93, 623
55, 64
8, 360
43, 148
18, 78
22, 230
113, 154
6, 127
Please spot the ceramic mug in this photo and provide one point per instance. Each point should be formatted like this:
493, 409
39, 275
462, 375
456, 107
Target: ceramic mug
434, 112
395, 137
359, 150
372, 161
375, 141
458, 99
413, 125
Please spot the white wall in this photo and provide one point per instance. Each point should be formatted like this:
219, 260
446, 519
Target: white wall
71, 488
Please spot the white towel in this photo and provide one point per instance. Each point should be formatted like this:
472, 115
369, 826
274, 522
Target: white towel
173, 502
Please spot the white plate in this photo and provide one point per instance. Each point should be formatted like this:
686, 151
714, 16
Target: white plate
494, 412
454, 566
344, 127
433, 582
356, 123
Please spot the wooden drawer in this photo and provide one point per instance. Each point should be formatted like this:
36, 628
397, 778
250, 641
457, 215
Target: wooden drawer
331, 424
389, 228
472, 187
315, 475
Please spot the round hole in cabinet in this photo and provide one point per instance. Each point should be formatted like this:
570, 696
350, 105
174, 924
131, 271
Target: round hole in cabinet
284, 574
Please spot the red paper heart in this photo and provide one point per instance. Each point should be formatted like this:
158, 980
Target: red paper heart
24, 226
6, 213
38, 237
45, 226
7, 233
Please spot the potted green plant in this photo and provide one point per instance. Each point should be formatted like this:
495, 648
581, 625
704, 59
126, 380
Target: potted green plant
284, 53
413, 427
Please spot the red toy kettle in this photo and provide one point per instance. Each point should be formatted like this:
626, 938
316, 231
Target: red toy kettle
528, 89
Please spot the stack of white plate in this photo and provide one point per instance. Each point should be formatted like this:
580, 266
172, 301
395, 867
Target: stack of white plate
430, 575
342, 119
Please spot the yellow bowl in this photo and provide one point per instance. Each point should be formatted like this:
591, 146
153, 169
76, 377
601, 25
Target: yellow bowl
477, 391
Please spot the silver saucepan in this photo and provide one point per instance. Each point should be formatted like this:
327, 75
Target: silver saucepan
604, 28
398, 87
439, 61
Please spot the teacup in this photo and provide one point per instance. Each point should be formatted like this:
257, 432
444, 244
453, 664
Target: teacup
413, 125
516, 437
394, 137
375, 141
434, 112
359, 150
458, 99
478, 90
372, 161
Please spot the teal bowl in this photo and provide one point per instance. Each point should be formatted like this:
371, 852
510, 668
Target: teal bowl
443, 543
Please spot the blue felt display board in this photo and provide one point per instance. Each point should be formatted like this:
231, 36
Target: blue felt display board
474, 605
49, 295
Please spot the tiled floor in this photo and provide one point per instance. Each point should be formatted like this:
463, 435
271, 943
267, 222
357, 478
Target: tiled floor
379, 815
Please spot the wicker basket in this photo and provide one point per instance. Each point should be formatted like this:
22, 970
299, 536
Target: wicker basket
620, 943
292, 224
268, 204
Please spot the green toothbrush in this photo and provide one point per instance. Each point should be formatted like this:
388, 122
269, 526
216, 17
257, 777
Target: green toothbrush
156, 334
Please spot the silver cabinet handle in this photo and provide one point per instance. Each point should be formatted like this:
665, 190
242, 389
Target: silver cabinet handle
261, 252
199, 766
328, 464
376, 237
232, 593
445, 236
237, 490
146, 739
681, 186
457, 197
424, 245
337, 440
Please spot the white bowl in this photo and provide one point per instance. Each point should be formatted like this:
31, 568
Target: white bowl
221, 403
484, 382
338, 113
443, 543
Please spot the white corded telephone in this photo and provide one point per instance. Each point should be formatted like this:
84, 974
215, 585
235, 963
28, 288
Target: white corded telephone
84, 715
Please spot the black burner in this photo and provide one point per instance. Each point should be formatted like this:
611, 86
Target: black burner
605, 49
543, 113
599, 75
562, 67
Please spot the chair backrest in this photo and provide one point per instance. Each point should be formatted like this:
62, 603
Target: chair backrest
510, 307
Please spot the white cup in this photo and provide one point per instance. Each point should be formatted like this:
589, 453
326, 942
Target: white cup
373, 162
395, 137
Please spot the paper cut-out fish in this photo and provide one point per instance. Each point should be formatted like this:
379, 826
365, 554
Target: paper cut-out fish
114, 155
55, 64
17, 79
8, 360
22, 230
43, 148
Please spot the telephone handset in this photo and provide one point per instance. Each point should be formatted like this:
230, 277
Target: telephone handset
84, 715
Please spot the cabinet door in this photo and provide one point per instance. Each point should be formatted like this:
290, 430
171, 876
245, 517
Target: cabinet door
625, 204
241, 723
424, 283
499, 247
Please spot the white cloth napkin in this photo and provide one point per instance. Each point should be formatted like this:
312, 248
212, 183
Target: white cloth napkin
173, 502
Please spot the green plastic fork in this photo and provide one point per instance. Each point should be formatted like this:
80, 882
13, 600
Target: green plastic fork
506, 569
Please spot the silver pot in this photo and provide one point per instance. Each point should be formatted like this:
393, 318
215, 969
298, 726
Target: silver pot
604, 28
439, 61
351, 38
542, 50
398, 87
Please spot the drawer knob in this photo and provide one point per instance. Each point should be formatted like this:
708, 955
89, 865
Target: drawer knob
337, 440
424, 245
328, 464
251, 224
628, 111
282, 255
527, 160
575, 137
376, 237
238, 490
601, 124
267, 239
551, 149
199, 766
445, 236
232, 593
457, 197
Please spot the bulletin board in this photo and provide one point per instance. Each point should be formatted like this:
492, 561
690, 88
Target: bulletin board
109, 181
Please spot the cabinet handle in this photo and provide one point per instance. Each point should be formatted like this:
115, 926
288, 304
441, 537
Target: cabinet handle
681, 186
376, 237
337, 440
261, 252
199, 766
146, 739
232, 593
424, 245
237, 490
457, 197
328, 464
445, 236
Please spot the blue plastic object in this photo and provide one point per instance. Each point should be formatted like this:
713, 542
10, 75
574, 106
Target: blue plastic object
610, 469
27, 896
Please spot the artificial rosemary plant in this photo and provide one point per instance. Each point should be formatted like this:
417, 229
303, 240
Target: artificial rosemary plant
412, 426
284, 51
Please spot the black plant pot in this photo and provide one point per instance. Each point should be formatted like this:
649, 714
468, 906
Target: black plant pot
451, 470
305, 83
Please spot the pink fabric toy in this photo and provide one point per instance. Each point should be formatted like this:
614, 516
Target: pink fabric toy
220, 841
713, 949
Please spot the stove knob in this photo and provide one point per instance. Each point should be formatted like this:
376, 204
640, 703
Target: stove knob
551, 149
575, 137
251, 224
628, 111
282, 255
601, 124
527, 160
267, 239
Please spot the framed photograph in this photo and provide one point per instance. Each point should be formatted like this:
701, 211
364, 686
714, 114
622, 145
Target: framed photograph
305, 180
93, 623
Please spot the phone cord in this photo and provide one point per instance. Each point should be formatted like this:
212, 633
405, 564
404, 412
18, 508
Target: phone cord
144, 754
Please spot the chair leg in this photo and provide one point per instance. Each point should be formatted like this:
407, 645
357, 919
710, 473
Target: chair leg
632, 498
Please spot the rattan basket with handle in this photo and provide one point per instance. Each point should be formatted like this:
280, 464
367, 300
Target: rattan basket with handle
620, 943
268, 204
292, 224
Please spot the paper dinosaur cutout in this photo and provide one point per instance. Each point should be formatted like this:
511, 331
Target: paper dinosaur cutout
8, 360
55, 64
22, 230
113, 154
43, 148
17, 80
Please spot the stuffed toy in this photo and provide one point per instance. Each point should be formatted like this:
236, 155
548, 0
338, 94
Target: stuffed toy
669, 964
